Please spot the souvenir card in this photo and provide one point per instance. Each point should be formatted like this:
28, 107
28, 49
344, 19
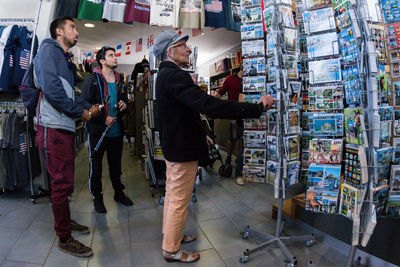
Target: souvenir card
254, 174
286, 16
395, 56
254, 84
395, 68
251, 15
391, 10
252, 31
256, 124
386, 117
346, 19
278, 2
383, 158
380, 196
292, 121
319, 20
341, 6
251, 98
327, 125
348, 46
324, 201
326, 151
269, 17
325, 97
325, 71
291, 67
292, 146
395, 181
273, 121
254, 156
352, 85
255, 48
349, 200
352, 125
272, 148
396, 150
393, 205
255, 139
271, 43
306, 121
352, 166
384, 89
393, 35
396, 94
294, 90
272, 89
272, 171
293, 173
324, 176
273, 61
378, 37
396, 123
272, 74
290, 39
254, 66
311, 4
250, 3
322, 45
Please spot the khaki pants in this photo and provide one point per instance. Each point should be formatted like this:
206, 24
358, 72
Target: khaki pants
179, 187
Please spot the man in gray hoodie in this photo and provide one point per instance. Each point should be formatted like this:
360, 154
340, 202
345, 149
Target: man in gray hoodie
57, 110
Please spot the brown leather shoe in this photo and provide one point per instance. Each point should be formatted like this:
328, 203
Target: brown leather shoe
75, 248
78, 228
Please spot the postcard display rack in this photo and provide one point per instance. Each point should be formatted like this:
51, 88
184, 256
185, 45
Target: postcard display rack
272, 143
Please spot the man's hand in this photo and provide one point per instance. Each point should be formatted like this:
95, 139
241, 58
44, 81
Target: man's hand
268, 101
110, 120
85, 115
94, 110
122, 105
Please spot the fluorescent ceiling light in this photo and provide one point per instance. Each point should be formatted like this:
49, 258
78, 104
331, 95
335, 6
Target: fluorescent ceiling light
89, 25
98, 48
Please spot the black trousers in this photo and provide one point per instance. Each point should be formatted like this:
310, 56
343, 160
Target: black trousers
113, 147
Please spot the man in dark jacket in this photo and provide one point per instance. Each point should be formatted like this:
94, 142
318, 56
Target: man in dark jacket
99, 84
179, 104
57, 110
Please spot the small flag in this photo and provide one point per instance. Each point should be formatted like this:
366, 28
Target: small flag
139, 45
119, 49
150, 41
89, 57
178, 31
196, 32
95, 56
24, 59
128, 48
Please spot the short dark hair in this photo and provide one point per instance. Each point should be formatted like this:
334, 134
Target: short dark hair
58, 23
101, 54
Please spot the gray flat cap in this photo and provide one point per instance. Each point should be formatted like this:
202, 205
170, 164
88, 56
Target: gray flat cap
164, 40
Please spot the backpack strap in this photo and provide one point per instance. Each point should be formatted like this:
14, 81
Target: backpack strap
100, 89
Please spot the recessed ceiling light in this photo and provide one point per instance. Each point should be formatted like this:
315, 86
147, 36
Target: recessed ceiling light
89, 25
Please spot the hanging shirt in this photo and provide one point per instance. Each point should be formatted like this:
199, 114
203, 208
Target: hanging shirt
67, 8
90, 9
115, 129
215, 13
164, 12
114, 10
3, 41
233, 15
7, 57
137, 10
191, 14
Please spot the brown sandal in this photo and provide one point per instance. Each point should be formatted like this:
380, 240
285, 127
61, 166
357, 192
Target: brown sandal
188, 238
181, 256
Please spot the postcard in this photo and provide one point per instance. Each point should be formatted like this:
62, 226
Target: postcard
254, 84
251, 15
326, 151
319, 20
254, 156
325, 97
352, 125
322, 45
254, 66
325, 71
255, 139
272, 171
272, 148
255, 48
252, 31
254, 174
256, 124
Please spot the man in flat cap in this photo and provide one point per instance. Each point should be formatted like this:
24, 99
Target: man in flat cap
179, 104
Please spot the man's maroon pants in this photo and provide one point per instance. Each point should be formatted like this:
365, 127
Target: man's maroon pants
58, 148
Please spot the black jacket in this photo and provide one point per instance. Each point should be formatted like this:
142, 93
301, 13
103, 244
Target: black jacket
91, 93
179, 104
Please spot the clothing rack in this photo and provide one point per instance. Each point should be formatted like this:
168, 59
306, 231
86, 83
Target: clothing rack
32, 21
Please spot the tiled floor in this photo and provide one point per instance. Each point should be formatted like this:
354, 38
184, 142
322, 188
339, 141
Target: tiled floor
132, 236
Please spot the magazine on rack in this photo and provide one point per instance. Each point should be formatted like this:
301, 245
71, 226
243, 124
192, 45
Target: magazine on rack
254, 84
254, 156
386, 117
326, 124
254, 66
311, 4
287, 19
396, 123
254, 174
272, 148
393, 35
391, 10
319, 20
352, 85
352, 166
383, 157
290, 39
350, 197
396, 150
324, 71
273, 121
255, 139
292, 146
292, 70
269, 16
294, 90
252, 31
326, 151
255, 48
293, 171
325, 97
292, 122
256, 124
272, 171
250, 3
253, 14
378, 37
322, 45
352, 125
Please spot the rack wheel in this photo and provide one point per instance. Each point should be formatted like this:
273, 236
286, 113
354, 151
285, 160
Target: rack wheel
194, 198
309, 243
244, 258
161, 201
245, 235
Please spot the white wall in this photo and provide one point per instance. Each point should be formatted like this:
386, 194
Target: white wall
28, 9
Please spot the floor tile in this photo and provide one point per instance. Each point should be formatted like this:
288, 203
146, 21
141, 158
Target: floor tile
10, 263
9, 236
145, 225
